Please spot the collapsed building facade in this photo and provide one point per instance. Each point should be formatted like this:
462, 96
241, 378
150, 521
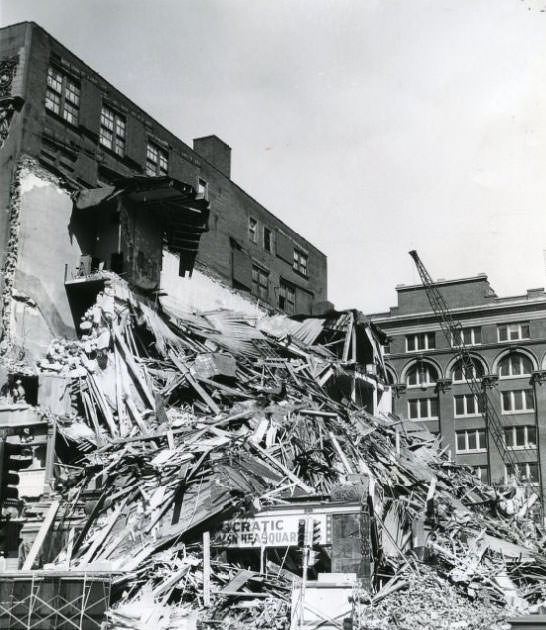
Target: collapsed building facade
66, 129
199, 437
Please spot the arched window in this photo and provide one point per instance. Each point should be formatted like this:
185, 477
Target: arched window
515, 364
459, 374
421, 375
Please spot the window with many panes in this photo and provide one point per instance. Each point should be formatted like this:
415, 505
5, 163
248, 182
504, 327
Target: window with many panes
260, 282
471, 441
513, 332
421, 375
527, 471
252, 230
520, 437
460, 373
112, 130
268, 239
287, 298
423, 408
62, 95
300, 262
157, 160
516, 401
471, 336
468, 405
481, 473
421, 341
515, 364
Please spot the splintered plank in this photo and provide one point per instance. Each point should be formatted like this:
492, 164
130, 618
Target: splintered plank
42, 533
285, 470
200, 390
238, 581
134, 369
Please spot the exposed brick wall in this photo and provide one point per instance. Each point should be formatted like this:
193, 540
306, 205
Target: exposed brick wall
466, 292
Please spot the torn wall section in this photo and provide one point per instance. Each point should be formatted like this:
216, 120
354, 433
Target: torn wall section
35, 307
204, 291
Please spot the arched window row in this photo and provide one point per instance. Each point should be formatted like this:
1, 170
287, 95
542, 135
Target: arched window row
424, 374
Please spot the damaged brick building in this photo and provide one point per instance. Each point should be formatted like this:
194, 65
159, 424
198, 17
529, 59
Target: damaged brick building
91, 184
64, 129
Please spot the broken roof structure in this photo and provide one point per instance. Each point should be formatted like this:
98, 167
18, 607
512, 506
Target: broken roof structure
175, 210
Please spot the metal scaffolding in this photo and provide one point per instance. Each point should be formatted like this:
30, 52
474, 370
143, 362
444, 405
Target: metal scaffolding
51, 600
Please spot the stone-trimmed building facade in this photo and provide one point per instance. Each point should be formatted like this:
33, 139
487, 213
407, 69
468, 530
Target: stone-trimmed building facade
507, 340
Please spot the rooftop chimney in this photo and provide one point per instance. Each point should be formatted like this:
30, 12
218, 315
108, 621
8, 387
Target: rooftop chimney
215, 151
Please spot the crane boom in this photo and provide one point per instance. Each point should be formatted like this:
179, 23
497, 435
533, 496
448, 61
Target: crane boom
453, 332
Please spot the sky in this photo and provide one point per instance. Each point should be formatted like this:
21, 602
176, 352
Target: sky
371, 127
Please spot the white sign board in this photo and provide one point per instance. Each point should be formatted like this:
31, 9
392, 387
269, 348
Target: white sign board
266, 531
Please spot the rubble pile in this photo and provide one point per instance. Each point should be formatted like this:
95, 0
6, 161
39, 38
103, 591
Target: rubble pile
175, 423
428, 601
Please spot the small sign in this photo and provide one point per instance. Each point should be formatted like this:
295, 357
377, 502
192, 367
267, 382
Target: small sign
264, 531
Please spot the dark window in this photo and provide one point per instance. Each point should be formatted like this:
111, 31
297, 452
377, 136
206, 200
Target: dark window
513, 332
287, 298
423, 408
300, 262
112, 130
421, 374
523, 471
459, 374
482, 473
421, 341
63, 95
469, 336
520, 437
252, 230
518, 400
260, 282
268, 239
116, 263
515, 364
471, 440
157, 160
468, 405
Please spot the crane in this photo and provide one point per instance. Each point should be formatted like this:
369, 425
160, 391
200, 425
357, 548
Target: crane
453, 332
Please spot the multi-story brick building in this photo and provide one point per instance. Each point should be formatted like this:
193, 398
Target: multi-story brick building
63, 129
507, 340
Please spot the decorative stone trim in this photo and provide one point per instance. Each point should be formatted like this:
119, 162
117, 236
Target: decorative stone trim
538, 377
443, 385
489, 381
8, 68
10, 261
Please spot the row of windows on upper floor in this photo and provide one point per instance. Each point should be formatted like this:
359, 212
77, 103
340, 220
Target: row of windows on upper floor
514, 438
63, 99
300, 262
470, 336
424, 374
468, 405
524, 471
286, 297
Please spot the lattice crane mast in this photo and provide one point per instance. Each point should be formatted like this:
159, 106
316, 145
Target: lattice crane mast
453, 332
